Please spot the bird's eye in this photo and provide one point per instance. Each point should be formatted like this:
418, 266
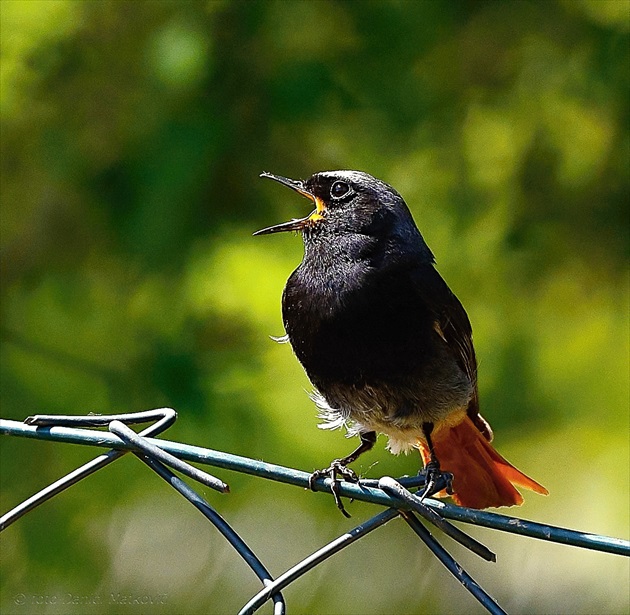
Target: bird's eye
339, 189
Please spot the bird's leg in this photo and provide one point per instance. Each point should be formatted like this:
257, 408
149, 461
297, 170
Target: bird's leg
432, 471
338, 467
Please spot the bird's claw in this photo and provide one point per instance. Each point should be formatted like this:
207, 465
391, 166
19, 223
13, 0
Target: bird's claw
433, 474
334, 471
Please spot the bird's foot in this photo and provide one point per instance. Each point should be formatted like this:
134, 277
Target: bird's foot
433, 475
334, 471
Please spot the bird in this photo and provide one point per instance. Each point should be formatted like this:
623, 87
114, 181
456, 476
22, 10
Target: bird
385, 343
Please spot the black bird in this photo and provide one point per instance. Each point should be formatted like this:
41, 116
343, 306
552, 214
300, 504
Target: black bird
386, 344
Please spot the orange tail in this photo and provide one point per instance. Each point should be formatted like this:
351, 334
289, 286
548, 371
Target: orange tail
482, 478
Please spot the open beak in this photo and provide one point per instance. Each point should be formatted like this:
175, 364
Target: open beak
297, 224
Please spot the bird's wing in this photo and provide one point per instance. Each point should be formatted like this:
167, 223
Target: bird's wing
453, 326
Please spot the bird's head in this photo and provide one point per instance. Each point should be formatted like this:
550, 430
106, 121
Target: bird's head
349, 203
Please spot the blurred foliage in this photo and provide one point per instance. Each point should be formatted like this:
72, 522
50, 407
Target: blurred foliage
133, 133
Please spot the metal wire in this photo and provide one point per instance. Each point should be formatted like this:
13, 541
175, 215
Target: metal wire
155, 452
394, 488
364, 492
318, 557
387, 492
222, 525
451, 564
164, 418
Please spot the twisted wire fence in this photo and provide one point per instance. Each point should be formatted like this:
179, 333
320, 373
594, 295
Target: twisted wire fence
163, 456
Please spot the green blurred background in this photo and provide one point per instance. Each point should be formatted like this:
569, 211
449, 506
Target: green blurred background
133, 134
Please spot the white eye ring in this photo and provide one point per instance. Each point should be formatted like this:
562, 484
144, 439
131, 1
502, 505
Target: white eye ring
339, 189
